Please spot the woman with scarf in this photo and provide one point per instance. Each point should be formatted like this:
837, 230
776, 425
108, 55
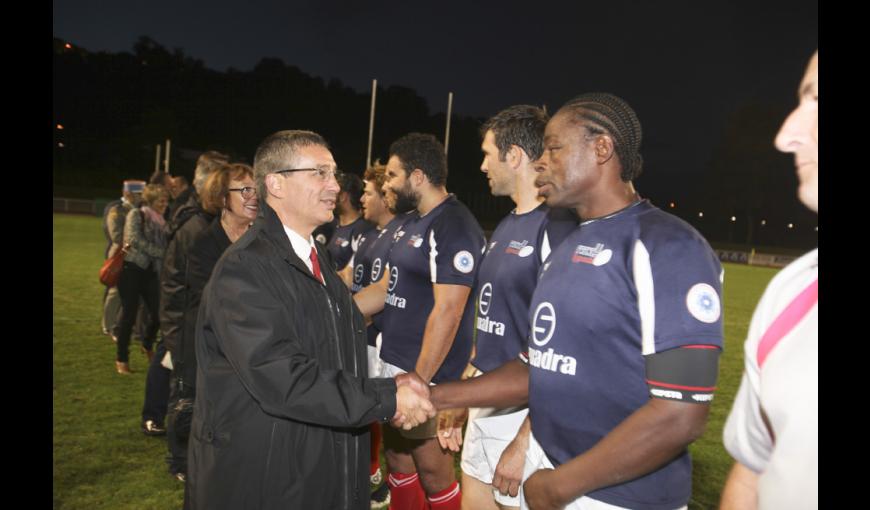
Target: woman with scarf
145, 242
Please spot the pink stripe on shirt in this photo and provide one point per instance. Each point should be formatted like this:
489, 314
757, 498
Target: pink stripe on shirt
793, 313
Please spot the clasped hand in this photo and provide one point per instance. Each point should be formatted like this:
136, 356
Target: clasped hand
412, 402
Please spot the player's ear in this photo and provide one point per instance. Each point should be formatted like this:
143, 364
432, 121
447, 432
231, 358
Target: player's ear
604, 149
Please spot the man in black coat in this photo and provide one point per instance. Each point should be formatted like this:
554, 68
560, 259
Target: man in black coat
283, 395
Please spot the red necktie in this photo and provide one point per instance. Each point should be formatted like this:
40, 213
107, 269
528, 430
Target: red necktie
315, 265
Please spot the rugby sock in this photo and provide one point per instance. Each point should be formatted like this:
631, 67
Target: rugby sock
448, 499
406, 493
376, 448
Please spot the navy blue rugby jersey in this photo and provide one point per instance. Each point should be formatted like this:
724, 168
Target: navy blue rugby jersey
344, 241
445, 247
507, 277
619, 288
370, 262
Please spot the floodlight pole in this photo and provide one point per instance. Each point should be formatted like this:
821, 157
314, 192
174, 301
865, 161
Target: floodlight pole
449, 112
166, 161
157, 158
371, 123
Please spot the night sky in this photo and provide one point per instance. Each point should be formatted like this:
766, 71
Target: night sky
685, 66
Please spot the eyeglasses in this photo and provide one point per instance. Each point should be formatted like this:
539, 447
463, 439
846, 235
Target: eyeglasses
247, 192
323, 173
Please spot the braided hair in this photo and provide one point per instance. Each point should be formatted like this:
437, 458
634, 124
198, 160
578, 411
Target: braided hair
608, 114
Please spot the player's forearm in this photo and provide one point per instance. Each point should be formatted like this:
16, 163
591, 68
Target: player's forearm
370, 300
441, 328
649, 438
506, 386
741, 489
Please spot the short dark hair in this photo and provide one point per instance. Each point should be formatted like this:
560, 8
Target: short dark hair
423, 151
277, 149
607, 114
353, 186
521, 125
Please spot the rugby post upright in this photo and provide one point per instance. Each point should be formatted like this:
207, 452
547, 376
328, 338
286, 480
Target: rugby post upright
371, 123
166, 161
449, 112
157, 158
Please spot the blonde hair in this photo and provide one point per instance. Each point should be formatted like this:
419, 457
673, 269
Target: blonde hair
152, 193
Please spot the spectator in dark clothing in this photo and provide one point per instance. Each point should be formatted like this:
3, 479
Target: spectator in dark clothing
231, 197
188, 220
180, 191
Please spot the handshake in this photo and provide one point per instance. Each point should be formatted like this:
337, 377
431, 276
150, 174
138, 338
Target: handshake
412, 402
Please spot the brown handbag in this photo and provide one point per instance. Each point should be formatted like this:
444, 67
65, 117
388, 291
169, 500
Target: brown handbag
110, 273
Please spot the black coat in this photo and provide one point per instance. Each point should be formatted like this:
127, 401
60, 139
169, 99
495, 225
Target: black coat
187, 222
283, 399
207, 248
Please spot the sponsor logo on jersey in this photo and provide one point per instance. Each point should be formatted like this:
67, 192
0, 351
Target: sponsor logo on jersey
394, 278
703, 303
484, 323
463, 262
376, 270
587, 254
358, 273
392, 299
416, 241
543, 324
340, 241
702, 397
553, 361
485, 298
516, 247
398, 235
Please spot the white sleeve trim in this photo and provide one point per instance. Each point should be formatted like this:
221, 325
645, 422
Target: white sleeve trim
433, 253
643, 282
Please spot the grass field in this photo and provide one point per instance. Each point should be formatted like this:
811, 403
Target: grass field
102, 460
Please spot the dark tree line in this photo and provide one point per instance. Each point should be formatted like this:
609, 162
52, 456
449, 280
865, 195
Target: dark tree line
115, 107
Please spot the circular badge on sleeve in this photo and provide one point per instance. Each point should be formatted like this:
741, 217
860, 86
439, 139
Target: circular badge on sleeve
703, 303
463, 262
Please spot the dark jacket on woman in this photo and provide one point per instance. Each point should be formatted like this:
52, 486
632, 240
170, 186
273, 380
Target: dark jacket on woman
187, 222
283, 399
207, 248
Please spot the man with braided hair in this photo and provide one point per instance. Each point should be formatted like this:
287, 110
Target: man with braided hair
625, 330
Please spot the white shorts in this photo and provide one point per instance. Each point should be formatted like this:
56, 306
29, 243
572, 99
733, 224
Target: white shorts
376, 366
536, 459
489, 431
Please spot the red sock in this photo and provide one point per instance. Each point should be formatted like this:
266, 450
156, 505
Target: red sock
448, 499
406, 492
376, 448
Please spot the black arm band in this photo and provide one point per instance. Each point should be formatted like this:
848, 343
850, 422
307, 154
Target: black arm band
685, 374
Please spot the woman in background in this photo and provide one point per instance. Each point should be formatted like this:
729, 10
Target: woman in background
145, 242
